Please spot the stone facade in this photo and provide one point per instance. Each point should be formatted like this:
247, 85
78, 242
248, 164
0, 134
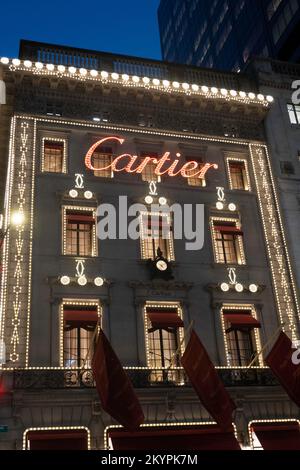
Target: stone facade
40, 391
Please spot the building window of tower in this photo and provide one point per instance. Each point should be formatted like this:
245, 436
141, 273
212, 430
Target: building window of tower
238, 174
148, 173
164, 330
79, 233
79, 324
54, 156
294, 113
228, 242
241, 336
102, 158
156, 236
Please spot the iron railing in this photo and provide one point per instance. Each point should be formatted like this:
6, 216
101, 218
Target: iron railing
140, 377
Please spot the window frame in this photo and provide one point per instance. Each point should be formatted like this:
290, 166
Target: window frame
246, 174
169, 241
239, 241
56, 428
296, 113
107, 154
75, 303
174, 371
94, 243
64, 156
256, 335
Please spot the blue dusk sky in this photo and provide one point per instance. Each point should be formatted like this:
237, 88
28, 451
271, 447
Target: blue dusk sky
126, 27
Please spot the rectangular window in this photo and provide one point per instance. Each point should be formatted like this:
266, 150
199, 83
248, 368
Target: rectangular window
54, 156
79, 232
62, 438
164, 341
241, 336
79, 338
228, 242
238, 174
148, 173
156, 236
103, 158
294, 113
195, 180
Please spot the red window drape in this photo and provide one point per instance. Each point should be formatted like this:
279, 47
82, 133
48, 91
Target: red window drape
165, 319
185, 438
57, 440
228, 229
80, 218
239, 320
80, 318
278, 436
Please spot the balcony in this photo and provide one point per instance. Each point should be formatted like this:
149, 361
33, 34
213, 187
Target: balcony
140, 377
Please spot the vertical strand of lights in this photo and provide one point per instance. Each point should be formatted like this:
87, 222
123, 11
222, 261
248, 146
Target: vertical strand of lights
283, 283
31, 244
5, 247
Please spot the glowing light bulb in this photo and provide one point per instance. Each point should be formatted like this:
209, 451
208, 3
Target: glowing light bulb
27, 64
98, 281
65, 280
50, 67
239, 288
61, 68
225, 287
148, 199
73, 193
83, 71
16, 62
104, 74
94, 73
72, 70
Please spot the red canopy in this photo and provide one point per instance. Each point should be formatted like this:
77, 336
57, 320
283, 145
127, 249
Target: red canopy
165, 319
207, 383
114, 387
228, 229
80, 218
278, 436
280, 360
183, 438
241, 320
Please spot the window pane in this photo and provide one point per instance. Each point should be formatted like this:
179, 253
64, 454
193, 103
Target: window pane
102, 160
238, 175
53, 157
79, 237
241, 349
157, 236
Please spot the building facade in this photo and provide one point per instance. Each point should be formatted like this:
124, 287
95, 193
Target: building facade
225, 34
60, 282
281, 80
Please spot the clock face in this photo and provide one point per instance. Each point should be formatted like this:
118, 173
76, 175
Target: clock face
161, 265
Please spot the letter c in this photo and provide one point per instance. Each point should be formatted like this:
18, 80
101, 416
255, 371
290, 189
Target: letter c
88, 157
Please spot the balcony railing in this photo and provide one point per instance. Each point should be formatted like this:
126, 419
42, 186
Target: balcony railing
140, 377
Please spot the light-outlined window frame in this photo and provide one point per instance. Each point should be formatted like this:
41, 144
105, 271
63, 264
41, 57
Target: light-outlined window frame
246, 175
53, 139
93, 210
75, 303
240, 240
169, 241
267, 421
228, 307
163, 305
57, 428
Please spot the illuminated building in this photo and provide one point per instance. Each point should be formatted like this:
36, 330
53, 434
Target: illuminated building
59, 281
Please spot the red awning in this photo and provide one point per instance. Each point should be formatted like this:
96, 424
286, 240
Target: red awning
228, 229
58, 440
156, 222
78, 218
184, 438
77, 317
237, 320
165, 319
281, 436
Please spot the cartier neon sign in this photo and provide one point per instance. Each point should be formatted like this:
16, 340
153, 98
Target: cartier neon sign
164, 165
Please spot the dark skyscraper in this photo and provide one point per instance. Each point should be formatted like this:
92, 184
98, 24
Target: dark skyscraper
225, 33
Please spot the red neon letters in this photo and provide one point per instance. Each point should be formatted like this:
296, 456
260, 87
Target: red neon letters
164, 166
